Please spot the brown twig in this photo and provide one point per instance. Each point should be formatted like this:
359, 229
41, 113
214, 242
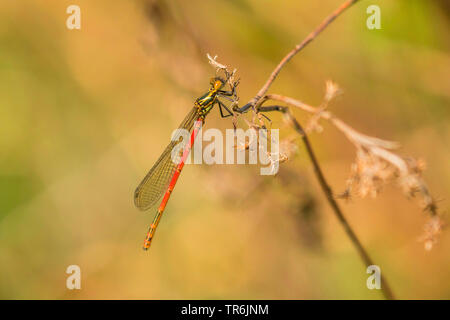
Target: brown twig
299, 47
387, 292
261, 97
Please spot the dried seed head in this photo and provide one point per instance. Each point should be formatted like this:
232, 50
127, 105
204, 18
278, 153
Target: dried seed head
332, 91
432, 230
288, 148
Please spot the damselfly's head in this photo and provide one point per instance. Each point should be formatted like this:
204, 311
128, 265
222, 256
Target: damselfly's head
216, 84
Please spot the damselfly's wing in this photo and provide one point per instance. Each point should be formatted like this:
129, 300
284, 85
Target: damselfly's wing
158, 178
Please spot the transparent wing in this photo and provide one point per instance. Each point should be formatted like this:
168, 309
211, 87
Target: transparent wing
158, 178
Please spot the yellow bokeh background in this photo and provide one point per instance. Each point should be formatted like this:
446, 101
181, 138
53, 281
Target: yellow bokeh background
85, 113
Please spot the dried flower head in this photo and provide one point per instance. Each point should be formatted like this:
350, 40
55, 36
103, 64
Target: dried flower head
332, 91
230, 76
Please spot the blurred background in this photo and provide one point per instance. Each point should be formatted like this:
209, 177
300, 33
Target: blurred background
85, 113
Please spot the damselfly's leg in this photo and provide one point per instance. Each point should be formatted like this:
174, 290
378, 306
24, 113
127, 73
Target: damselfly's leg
271, 108
152, 229
222, 105
226, 93
246, 107
230, 93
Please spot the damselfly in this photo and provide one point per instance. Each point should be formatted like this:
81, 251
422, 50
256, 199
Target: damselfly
163, 176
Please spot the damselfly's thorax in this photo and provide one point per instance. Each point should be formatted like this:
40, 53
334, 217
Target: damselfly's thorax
206, 101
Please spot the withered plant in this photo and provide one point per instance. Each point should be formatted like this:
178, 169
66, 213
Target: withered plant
376, 162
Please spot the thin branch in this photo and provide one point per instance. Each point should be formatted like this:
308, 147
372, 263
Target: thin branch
261, 97
299, 47
387, 292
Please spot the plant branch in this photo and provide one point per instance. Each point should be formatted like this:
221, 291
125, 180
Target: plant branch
255, 104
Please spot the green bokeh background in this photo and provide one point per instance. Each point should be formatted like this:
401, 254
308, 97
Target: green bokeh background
85, 113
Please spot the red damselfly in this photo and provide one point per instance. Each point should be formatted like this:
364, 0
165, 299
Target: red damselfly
163, 176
